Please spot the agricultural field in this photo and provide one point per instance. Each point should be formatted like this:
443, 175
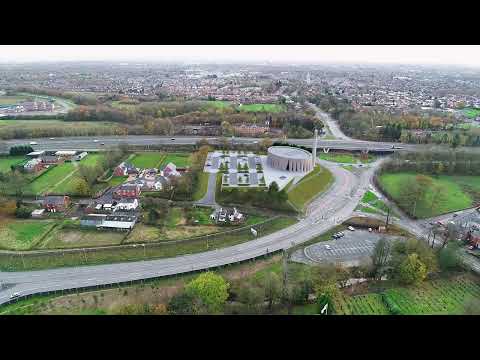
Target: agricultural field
218, 104
368, 304
181, 160
436, 297
461, 192
147, 160
272, 108
22, 234
7, 161
310, 186
52, 179
471, 112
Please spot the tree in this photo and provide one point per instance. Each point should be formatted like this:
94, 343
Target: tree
273, 288
265, 143
251, 297
20, 150
211, 289
412, 270
227, 128
380, 257
456, 140
448, 258
273, 188
81, 187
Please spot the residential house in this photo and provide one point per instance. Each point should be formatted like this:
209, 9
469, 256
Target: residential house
56, 203
227, 215
127, 190
125, 169
127, 204
170, 170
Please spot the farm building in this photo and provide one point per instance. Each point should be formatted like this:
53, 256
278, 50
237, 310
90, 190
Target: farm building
127, 204
92, 220
80, 156
118, 222
56, 203
33, 165
66, 155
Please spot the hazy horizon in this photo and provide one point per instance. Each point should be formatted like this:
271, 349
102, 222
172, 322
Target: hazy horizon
460, 55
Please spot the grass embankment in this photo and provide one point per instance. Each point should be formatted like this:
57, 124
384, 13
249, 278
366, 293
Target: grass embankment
202, 186
377, 206
309, 187
346, 158
22, 234
114, 255
460, 192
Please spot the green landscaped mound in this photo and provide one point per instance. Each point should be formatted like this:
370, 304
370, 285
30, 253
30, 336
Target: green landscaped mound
461, 192
309, 187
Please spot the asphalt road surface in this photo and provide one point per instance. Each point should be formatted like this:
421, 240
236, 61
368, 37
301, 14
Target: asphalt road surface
332, 125
328, 210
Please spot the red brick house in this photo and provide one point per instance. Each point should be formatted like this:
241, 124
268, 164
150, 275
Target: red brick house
56, 203
127, 191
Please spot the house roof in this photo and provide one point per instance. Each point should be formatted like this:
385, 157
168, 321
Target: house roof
54, 199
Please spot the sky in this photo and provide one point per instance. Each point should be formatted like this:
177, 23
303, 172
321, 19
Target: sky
294, 54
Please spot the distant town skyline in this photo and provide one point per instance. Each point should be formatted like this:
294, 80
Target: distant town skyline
463, 55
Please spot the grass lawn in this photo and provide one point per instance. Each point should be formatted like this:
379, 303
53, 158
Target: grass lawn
180, 160
148, 160
272, 108
471, 112
6, 162
202, 187
71, 238
310, 186
92, 159
460, 192
22, 234
49, 179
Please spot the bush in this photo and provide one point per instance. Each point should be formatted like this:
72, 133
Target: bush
23, 212
20, 150
448, 258
391, 306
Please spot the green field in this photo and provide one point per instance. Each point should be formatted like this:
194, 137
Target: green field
6, 162
437, 297
460, 192
180, 160
471, 112
218, 104
345, 158
202, 186
272, 108
92, 159
51, 179
147, 160
22, 234
310, 186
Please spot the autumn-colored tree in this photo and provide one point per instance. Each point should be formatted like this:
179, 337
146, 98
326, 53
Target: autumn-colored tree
211, 289
412, 270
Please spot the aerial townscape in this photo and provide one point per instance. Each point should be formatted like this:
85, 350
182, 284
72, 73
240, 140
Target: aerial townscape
250, 188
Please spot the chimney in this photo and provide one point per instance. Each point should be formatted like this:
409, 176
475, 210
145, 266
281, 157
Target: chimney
314, 149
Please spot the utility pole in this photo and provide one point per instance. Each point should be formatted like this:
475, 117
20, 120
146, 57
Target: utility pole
388, 218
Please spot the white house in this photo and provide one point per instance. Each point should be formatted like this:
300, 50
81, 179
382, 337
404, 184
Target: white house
127, 204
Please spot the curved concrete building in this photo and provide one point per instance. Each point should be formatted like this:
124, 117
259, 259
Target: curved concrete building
289, 159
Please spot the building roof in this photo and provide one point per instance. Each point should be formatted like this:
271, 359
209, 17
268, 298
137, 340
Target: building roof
289, 152
36, 153
65, 152
54, 199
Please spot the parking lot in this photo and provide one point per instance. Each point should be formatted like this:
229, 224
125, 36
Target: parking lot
355, 247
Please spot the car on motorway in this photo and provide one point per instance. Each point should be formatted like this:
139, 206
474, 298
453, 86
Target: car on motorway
52, 138
15, 295
102, 144
173, 139
95, 140
33, 143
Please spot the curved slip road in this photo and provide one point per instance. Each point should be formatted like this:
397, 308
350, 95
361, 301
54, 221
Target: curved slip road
329, 209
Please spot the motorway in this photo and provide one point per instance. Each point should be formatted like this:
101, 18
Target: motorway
88, 143
325, 212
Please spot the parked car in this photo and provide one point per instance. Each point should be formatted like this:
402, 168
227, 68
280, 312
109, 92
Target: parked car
15, 295
328, 247
351, 228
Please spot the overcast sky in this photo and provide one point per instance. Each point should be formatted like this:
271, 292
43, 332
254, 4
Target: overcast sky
403, 54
